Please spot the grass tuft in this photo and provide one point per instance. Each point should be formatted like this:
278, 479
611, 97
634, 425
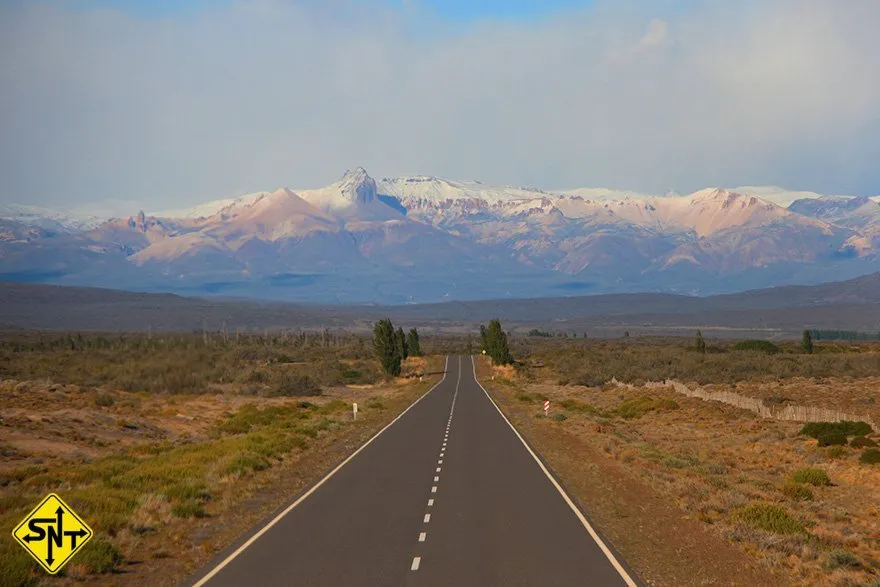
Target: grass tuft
797, 492
768, 517
810, 476
639, 406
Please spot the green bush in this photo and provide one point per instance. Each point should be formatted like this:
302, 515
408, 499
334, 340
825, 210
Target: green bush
639, 406
796, 492
245, 463
847, 428
769, 517
188, 509
832, 439
764, 346
870, 457
295, 385
835, 452
104, 400
842, 559
576, 406
815, 477
99, 557
862, 442
559, 417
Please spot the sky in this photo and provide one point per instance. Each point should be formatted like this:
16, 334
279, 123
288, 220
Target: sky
112, 106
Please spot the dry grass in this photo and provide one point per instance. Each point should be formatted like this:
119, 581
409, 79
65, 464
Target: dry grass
139, 466
759, 483
589, 362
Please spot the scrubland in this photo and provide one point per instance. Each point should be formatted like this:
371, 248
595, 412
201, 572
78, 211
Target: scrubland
169, 447
699, 492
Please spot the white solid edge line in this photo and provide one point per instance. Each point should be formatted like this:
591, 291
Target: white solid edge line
289, 508
608, 554
415, 564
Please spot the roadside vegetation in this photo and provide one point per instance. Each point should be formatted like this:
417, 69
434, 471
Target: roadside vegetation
150, 437
636, 360
799, 498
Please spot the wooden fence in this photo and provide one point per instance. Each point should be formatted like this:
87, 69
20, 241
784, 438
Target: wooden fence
756, 405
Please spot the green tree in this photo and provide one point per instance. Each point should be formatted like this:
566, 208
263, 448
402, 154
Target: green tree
386, 347
496, 343
699, 342
402, 348
484, 339
807, 342
412, 343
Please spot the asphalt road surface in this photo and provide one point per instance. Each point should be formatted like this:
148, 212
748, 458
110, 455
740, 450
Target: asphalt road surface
447, 495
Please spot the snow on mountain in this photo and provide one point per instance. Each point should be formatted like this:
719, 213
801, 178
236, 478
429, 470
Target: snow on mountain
603, 194
48, 219
211, 208
376, 229
434, 189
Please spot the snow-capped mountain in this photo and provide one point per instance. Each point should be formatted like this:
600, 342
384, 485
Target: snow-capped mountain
428, 238
47, 219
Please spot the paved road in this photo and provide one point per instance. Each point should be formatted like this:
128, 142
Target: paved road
448, 495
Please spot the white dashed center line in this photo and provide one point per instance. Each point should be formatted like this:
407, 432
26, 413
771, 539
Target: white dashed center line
417, 561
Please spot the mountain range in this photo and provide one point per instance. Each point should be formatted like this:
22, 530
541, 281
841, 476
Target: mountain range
424, 239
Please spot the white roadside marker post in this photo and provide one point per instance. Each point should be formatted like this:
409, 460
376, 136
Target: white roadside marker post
546, 406
354, 410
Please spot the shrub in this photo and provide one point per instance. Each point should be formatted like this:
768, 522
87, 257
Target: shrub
796, 492
764, 346
99, 557
296, 385
835, 452
769, 517
104, 400
576, 406
639, 406
847, 428
245, 463
188, 509
870, 457
862, 442
560, 417
842, 559
815, 477
832, 439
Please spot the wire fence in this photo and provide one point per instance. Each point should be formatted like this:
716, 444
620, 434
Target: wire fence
789, 412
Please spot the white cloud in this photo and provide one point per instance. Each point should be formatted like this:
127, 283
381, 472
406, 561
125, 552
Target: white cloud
171, 112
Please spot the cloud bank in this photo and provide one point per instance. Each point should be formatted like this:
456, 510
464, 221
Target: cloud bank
169, 111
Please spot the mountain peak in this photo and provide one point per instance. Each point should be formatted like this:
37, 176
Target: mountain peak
357, 186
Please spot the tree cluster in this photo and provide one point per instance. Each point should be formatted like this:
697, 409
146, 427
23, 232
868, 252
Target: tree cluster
494, 342
393, 346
